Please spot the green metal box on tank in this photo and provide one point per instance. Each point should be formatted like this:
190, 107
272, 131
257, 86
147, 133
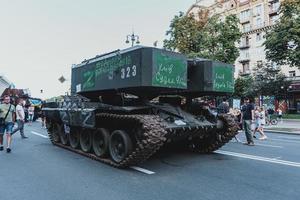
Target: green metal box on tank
142, 71
210, 77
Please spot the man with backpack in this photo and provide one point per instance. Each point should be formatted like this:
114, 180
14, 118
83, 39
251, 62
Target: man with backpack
7, 115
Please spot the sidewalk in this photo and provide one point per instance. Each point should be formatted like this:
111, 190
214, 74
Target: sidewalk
287, 126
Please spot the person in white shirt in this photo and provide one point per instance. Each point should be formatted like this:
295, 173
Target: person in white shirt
30, 114
20, 118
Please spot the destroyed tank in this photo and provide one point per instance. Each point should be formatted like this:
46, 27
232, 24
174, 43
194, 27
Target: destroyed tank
126, 104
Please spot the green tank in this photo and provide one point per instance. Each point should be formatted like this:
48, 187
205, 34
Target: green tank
127, 104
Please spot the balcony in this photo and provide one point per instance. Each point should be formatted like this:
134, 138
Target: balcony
244, 45
257, 27
244, 73
293, 78
274, 8
243, 2
245, 20
244, 59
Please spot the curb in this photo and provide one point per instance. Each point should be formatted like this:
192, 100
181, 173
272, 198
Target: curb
282, 132
291, 120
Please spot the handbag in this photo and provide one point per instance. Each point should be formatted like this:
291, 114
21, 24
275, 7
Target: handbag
2, 120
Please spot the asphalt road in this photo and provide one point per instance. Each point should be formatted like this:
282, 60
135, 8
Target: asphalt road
38, 170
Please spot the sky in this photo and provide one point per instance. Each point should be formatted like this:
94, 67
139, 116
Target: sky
41, 39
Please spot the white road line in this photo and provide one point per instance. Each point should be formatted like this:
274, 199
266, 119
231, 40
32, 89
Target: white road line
146, 171
263, 145
38, 134
267, 145
284, 140
264, 159
289, 138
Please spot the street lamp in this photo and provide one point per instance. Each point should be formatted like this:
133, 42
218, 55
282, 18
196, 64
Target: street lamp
133, 38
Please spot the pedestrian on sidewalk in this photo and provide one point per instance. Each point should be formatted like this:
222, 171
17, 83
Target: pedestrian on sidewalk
30, 114
279, 112
20, 119
247, 117
7, 115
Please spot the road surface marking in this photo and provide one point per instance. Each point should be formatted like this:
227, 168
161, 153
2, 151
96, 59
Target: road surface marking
146, 171
38, 134
260, 158
267, 145
263, 145
289, 138
284, 140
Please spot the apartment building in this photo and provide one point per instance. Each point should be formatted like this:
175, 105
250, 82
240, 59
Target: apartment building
4, 83
256, 17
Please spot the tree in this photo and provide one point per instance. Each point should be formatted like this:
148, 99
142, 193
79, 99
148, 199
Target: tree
269, 81
243, 87
212, 38
283, 40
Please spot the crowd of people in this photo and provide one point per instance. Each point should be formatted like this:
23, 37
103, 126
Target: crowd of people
11, 114
250, 118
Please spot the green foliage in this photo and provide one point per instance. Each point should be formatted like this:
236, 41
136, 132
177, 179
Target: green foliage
242, 87
269, 81
266, 80
213, 39
283, 40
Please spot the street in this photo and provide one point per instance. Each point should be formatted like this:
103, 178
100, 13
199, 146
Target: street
35, 169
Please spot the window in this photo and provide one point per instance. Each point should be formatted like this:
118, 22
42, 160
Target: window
258, 22
292, 73
274, 7
245, 15
258, 37
259, 63
246, 68
258, 10
274, 19
244, 41
244, 54
246, 27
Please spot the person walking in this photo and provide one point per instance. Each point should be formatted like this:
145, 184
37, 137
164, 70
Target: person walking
20, 119
260, 121
262, 115
247, 116
30, 114
279, 111
7, 111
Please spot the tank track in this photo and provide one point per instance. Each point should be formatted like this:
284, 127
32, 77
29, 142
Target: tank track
212, 142
151, 139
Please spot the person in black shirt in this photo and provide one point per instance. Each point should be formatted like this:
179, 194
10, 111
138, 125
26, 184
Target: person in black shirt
247, 118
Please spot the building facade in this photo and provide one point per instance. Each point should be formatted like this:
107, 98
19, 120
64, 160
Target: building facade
4, 83
256, 17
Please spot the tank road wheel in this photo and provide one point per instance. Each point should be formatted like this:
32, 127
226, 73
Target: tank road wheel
86, 140
74, 137
100, 142
56, 132
120, 145
63, 136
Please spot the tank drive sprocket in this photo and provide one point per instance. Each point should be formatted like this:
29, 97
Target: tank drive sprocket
213, 141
